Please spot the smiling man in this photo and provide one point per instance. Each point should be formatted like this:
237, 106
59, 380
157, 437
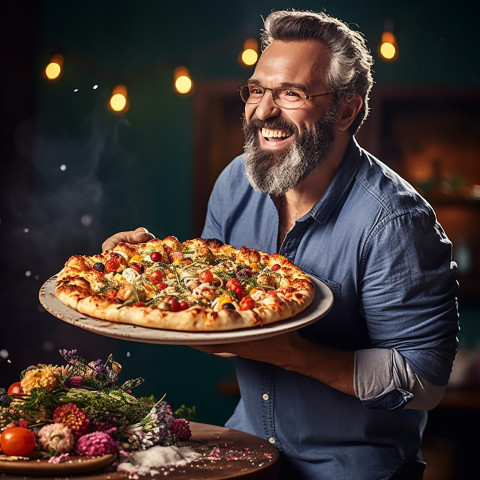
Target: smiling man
346, 397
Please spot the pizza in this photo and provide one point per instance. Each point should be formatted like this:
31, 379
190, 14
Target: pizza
196, 285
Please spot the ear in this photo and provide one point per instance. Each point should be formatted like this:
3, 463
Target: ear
349, 108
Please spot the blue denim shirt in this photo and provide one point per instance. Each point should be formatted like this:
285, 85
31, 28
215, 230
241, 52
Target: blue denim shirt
378, 246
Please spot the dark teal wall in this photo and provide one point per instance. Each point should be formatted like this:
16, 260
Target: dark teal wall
140, 43
135, 169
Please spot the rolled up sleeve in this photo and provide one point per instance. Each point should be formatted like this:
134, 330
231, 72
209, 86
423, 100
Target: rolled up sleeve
408, 296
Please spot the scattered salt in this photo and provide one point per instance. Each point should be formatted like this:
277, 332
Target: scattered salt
145, 461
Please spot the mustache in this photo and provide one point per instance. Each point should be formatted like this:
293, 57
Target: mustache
272, 124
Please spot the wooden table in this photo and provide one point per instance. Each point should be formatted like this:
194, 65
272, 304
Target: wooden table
226, 454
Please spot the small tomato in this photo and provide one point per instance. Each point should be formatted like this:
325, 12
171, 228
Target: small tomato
17, 441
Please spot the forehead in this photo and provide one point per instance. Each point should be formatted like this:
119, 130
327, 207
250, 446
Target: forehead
302, 62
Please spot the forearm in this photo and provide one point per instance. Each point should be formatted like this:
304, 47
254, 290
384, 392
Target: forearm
292, 352
331, 366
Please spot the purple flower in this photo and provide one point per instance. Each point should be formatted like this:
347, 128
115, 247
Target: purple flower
180, 428
5, 400
59, 458
96, 444
70, 355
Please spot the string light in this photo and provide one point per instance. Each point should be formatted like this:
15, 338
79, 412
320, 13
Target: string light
249, 56
388, 47
54, 69
182, 81
119, 100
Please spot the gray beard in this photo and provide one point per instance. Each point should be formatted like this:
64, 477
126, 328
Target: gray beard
277, 172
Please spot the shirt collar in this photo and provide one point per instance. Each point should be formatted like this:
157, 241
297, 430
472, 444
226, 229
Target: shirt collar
340, 183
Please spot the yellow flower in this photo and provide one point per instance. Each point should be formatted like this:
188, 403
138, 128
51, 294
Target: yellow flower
45, 377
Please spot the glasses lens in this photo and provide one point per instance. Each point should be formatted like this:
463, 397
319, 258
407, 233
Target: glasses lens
289, 97
251, 93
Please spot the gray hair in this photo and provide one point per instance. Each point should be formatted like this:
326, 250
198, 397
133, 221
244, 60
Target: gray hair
350, 60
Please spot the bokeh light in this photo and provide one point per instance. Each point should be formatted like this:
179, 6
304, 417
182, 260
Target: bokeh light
54, 69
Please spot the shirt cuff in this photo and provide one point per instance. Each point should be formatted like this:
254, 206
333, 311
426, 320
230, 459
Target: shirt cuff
384, 380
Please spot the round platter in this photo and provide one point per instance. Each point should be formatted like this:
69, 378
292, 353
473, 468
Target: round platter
75, 465
320, 306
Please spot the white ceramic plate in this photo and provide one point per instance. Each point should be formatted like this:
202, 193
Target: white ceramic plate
321, 304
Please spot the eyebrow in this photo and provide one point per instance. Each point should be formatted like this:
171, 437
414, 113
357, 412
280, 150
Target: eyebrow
253, 81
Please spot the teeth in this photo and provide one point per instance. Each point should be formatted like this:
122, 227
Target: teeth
267, 133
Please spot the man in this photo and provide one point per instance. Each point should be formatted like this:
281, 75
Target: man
346, 397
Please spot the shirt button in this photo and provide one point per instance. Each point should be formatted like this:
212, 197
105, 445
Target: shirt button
265, 396
271, 440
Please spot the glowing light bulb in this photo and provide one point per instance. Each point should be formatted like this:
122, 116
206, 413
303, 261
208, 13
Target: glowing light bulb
249, 55
119, 100
54, 69
182, 81
388, 48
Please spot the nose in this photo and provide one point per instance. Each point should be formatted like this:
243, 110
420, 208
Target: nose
267, 108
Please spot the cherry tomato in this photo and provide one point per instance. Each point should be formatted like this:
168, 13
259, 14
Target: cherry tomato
247, 303
206, 276
15, 389
156, 257
176, 256
157, 276
184, 305
174, 304
161, 286
17, 441
276, 267
112, 265
239, 291
232, 284
137, 267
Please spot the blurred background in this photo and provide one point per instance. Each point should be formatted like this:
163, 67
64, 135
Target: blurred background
78, 164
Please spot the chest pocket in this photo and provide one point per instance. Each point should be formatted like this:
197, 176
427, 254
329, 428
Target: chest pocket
334, 286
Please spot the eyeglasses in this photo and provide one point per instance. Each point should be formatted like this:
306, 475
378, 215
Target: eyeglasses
284, 97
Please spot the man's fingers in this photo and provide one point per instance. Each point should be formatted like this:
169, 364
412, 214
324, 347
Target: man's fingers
139, 235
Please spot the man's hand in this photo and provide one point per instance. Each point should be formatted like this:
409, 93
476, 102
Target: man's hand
138, 235
292, 352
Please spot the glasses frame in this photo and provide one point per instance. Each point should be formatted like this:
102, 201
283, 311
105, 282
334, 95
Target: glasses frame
305, 95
